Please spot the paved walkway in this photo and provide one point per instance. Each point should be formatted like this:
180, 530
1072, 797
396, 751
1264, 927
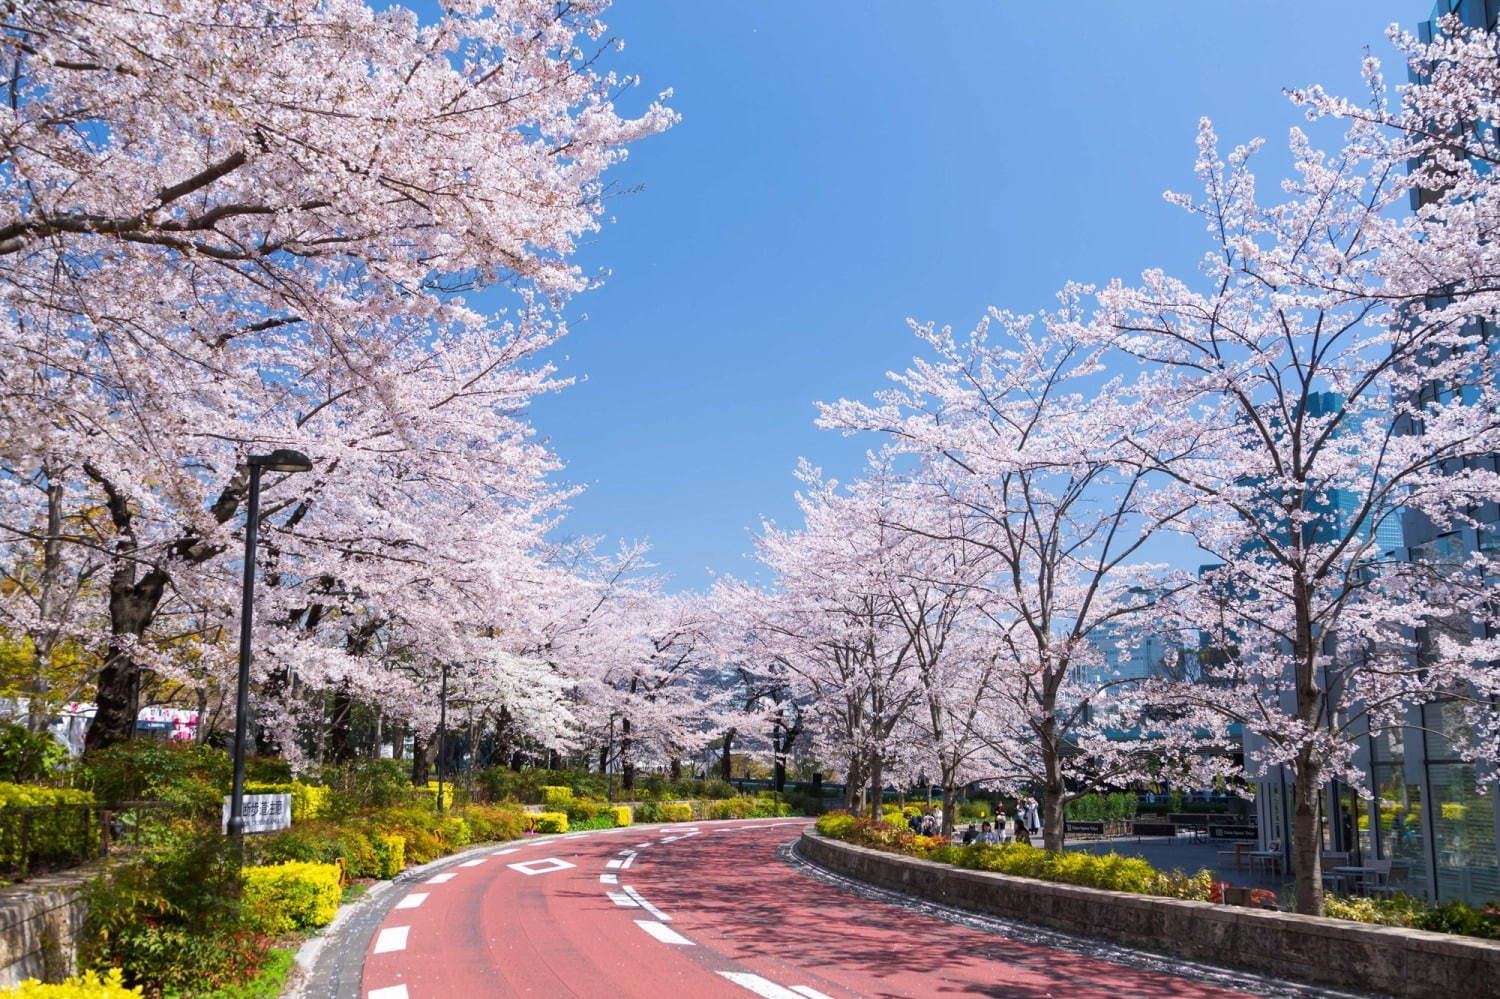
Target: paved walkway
1165, 854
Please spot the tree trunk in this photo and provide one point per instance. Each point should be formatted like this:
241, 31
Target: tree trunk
38, 710
877, 783
853, 785
398, 742
1307, 840
726, 760
950, 807
132, 606
676, 768
422, 753
627, 765
340, 739
1054, 827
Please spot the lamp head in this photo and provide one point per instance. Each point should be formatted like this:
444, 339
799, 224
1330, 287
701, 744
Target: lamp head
282, 460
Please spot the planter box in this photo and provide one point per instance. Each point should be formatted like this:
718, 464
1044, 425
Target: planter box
1334, 952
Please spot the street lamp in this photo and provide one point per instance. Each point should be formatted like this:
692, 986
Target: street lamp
280, 460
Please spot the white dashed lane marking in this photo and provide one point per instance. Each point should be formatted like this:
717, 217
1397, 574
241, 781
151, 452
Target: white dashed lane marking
609, 879
501, 853
621, 899
647, 905
614, 865
438, 879
663, 933
389, 992
768, 989
391, 938
472, 863
413, 900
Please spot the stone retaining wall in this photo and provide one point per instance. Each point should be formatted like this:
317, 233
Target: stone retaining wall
1335, 952
40, 921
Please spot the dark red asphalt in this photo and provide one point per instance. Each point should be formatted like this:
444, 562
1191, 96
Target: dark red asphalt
491, 930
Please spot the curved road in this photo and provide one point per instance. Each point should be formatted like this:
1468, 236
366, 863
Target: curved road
720, 909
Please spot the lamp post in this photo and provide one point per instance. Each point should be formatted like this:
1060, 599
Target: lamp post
281, 460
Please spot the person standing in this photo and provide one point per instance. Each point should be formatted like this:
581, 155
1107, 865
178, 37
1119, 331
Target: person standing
1022, 835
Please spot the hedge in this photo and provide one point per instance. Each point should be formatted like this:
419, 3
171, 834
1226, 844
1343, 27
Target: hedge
547, 822
284, 897
677, 811
622, 815
1110, 871
309, 801
68, 834
88, 985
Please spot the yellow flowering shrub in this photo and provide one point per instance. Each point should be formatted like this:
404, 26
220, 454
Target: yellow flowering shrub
309, 801
677, 811
547, 822
391, 851
557, 798
86, 986
622, 815
284, 897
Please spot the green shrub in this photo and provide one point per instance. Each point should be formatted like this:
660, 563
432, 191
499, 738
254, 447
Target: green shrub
975, 811
1176, 884
88, 985
361, 860
677, 811
65, 835
196, 777
548, 822
1457, 917
284, 897
27, 757
390, 848
621, 815
1119, 806
429, 795
267, 770
365, 784
769, 805
268, 983
170, 918
491, 823
581, 809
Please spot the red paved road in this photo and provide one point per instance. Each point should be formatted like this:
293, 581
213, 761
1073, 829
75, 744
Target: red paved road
491, 930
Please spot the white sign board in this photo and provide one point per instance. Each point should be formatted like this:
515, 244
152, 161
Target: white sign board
262, 812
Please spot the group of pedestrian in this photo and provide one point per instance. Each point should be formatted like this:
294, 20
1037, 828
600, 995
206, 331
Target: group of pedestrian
1003, 829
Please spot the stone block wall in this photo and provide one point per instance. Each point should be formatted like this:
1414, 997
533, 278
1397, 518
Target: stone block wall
1334, 952
40, 923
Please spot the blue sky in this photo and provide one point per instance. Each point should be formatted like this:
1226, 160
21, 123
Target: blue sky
844, 165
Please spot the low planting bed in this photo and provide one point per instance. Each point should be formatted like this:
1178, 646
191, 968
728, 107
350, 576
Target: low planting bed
1337, 952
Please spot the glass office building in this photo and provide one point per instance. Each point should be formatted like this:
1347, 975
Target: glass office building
1426, 812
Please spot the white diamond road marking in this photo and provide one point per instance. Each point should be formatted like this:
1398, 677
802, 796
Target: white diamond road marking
609, 879
413, 900
810, 992
544, 866
647, 905
763, 987
472, 863
663, 933
391, 938
439, 879
620, 898
389, 992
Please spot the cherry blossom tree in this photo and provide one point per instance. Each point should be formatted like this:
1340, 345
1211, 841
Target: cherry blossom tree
1006, 433
1333, 376
231, 229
